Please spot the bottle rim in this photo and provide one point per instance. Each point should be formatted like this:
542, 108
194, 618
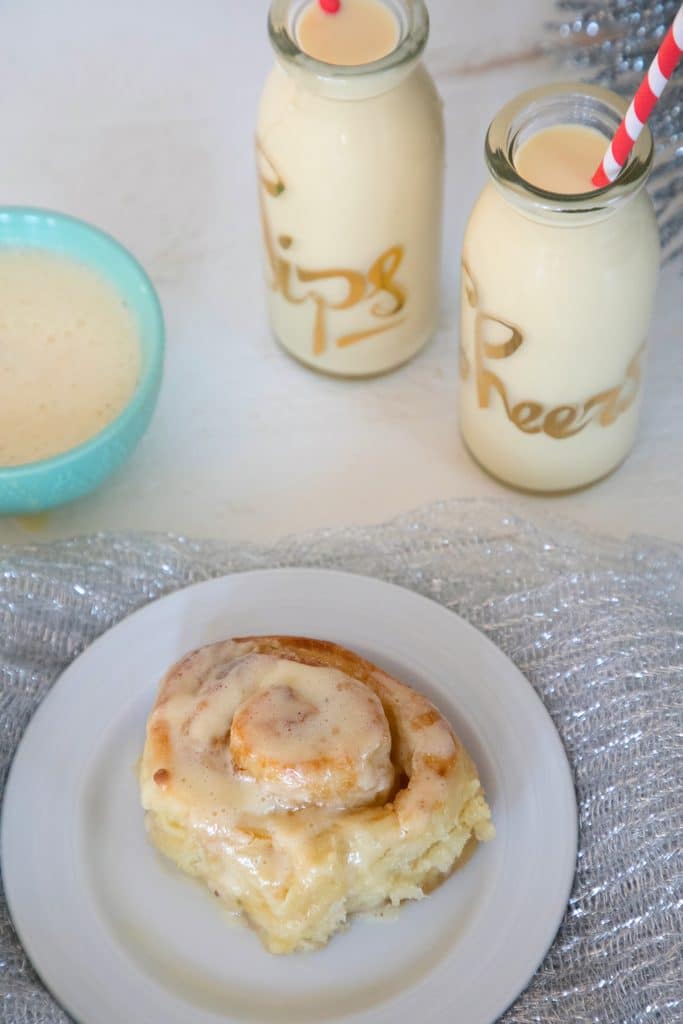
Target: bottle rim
413, 20
563, 103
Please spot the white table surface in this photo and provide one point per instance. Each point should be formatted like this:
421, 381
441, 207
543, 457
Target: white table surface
139, 116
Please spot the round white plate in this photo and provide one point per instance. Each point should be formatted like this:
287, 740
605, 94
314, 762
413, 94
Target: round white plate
118, 934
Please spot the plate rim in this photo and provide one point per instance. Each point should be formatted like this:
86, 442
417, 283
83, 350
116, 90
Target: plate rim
184, 593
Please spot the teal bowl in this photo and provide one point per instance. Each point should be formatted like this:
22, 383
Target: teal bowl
35, 486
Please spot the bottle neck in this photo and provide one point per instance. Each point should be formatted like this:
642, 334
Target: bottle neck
559, 105
349, 82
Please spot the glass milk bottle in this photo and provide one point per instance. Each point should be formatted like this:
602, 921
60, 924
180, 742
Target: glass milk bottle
558, 281
350, 162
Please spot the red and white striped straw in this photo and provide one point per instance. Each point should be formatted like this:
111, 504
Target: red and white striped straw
642, 105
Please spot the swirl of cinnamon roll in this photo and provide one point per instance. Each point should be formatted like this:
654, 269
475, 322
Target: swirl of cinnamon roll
304, 784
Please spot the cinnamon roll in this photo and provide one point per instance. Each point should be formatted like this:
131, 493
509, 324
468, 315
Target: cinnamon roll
303, 785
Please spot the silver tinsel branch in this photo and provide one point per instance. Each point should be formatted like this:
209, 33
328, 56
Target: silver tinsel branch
613, 43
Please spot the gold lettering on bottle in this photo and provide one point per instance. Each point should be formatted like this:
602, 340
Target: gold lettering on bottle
378, 285
469, 286
355, 290
532, 417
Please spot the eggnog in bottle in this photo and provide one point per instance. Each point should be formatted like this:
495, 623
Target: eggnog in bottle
558, 281
350, 162
360, 32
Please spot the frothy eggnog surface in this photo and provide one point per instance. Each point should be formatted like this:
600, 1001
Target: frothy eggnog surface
69, 354
360, 32
562, 159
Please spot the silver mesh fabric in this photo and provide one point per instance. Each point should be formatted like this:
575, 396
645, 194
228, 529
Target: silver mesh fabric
595, 625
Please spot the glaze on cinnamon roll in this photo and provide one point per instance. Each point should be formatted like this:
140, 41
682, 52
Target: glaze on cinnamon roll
303, 785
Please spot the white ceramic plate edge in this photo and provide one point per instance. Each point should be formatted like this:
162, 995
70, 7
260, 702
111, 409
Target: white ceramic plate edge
263, 578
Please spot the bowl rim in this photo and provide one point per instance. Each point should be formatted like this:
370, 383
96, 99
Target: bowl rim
150, 377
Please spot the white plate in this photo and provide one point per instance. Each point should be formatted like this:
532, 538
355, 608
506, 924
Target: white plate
120, 936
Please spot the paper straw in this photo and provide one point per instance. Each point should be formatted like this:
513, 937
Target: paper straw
642, 105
